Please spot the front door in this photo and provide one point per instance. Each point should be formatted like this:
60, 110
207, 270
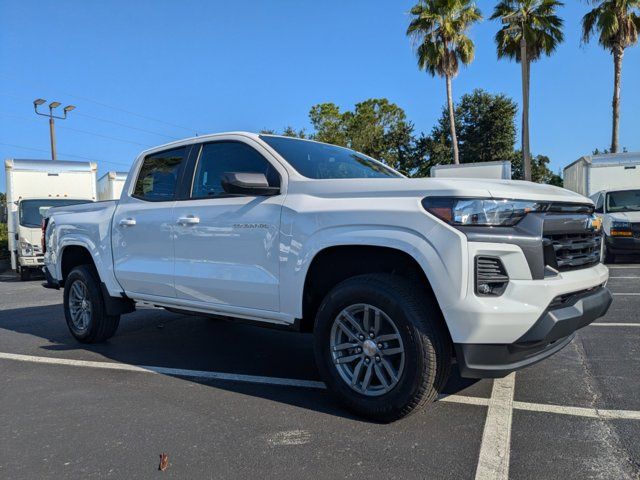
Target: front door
143, 226
226, 246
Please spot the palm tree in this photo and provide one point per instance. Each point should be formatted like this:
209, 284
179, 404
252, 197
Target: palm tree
618, 25
530, 30
439, 29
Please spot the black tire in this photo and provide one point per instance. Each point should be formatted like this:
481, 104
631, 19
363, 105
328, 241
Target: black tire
24, 274
423, 332
100, 326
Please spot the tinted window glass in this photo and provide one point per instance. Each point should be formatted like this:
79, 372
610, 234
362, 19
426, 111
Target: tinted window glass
319, 160
219, 158
158, 175
623, 201
31, 211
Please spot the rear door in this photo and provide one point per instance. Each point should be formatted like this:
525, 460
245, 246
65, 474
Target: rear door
226, 246
143, 226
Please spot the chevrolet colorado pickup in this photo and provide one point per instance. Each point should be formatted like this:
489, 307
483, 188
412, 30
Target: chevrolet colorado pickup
395, 277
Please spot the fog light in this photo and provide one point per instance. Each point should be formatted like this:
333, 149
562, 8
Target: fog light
491, 276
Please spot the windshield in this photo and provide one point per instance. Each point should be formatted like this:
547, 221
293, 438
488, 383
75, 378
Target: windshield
623, 201
320, 161
31, 211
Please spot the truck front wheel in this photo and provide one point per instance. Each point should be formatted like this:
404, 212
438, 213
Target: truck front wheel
84, 307
381, 346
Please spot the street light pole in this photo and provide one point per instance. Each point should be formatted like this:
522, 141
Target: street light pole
52, 137
52, 128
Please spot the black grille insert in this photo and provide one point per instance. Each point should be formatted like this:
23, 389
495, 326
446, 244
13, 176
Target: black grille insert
571, 251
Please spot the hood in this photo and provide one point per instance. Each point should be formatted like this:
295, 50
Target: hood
455, 187
632, 217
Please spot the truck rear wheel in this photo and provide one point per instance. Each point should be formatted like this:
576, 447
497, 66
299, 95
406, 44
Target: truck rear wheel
84, 307
381, 346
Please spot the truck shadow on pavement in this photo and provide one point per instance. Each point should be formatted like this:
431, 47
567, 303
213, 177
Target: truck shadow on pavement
153, 337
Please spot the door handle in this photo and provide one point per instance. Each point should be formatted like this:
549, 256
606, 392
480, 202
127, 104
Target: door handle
127, 222
189, 220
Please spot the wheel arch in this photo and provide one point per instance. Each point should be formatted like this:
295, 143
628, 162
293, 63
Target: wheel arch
333, 264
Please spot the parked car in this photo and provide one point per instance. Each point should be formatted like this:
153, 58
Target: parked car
33, 186
620, 214
394, 276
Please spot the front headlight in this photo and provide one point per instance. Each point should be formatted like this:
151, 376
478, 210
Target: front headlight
480, 211
621, 229
26, 249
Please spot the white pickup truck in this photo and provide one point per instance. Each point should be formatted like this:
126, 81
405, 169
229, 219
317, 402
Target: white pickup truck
394, 276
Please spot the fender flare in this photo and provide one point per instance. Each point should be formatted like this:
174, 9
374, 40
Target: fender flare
440, 275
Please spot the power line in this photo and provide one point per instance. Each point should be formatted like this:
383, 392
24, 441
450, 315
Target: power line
106, 105
6, 114
113, 122
64, 154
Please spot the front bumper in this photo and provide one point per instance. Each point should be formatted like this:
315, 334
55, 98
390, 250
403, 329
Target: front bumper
549, 334
623, 245
31, 262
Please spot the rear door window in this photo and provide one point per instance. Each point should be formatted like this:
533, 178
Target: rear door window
159, 175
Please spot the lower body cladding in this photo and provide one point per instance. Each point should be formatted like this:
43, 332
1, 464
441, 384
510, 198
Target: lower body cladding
522, 321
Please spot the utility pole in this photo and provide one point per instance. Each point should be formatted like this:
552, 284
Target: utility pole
516, 24
52, 128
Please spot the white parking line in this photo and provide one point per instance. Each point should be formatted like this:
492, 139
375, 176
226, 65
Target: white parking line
612, 324
179, 372
627, 278
495, 448
499, 395
626, 294
579, 411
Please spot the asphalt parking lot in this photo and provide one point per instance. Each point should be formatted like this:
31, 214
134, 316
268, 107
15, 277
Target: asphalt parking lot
226, 400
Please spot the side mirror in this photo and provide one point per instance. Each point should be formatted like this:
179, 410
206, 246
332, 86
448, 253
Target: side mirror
248, 184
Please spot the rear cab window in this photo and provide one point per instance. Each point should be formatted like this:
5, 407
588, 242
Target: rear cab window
159, 175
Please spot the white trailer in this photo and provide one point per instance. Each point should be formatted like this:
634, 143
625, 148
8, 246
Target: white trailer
110, 185
495, 170
34, 186
593, 173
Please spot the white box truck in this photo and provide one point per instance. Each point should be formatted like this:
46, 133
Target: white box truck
110, 185
595, 173
494, 170
34, 186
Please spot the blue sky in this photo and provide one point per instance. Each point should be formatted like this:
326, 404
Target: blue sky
173, 68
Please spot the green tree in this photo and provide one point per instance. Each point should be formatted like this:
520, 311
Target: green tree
618, 24
540, 172
375, 127
328, 124
531, 29
439, 28
486, 125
